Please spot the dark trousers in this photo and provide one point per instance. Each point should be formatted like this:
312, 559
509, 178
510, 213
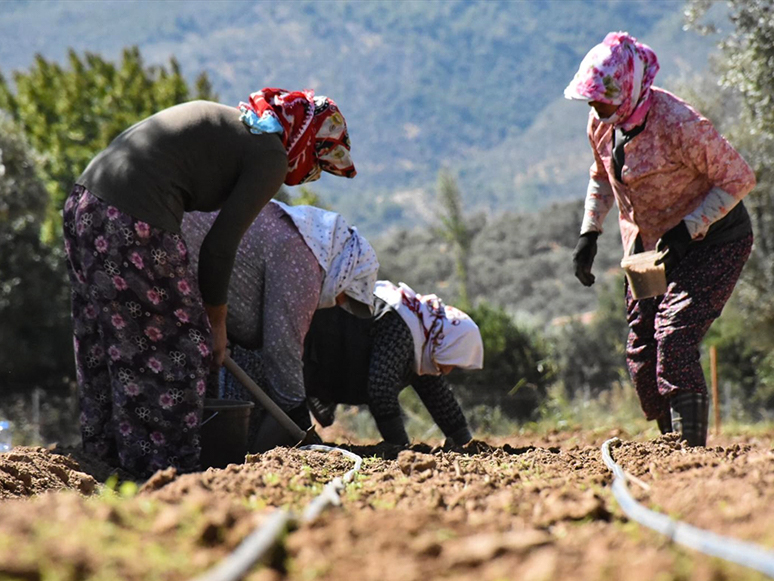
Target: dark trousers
665, 332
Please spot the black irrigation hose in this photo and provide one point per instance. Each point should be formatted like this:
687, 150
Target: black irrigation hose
709, 543
258, 543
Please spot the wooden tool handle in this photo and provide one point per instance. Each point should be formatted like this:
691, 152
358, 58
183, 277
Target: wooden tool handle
284, 420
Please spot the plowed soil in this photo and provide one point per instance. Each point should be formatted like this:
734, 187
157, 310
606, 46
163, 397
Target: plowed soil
528, 507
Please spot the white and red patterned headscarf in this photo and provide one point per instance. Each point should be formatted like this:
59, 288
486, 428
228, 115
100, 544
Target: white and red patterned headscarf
443, 335
313, 131
619, 71
348, 260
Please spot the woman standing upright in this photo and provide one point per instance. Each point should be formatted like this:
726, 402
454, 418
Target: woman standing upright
145, 338
678, 185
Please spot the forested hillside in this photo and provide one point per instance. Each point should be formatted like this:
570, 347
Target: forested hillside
472, 85
519, 262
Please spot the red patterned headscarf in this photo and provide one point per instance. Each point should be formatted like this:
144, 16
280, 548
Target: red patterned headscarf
618, 71
313, 131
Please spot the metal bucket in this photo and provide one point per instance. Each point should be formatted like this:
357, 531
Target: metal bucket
224, 430
646, 278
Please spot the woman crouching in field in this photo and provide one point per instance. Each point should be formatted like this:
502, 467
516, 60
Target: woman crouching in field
412, 339
292, 261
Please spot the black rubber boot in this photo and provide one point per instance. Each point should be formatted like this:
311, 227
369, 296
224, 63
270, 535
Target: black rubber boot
690, 417
665, 423
323, 412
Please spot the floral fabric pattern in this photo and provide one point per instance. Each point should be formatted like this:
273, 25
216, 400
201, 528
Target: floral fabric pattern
716, 204
662, 350
273, 294
670, 169
443, 335
348, 259
142, 338
618, 71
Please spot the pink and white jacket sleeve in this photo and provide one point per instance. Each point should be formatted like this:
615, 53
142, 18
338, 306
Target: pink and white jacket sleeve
729, 175
599, 193
599, 200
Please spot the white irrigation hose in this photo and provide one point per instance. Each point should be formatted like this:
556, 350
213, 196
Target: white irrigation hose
258, 543
709, 543
255, 546
330, 495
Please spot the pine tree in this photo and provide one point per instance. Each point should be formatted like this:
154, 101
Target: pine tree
455, 231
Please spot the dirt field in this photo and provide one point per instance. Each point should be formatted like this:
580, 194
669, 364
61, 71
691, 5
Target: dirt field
528, 507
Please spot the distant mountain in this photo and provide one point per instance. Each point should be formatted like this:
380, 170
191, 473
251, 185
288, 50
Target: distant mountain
475, 86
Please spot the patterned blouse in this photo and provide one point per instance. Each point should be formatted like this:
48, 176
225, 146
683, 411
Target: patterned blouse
370, 361
274, 290
392, 370
678, 168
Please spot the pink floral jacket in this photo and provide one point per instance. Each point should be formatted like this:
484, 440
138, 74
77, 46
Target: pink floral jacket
678, 168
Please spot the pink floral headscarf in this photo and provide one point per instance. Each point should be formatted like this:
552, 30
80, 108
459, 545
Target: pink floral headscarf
619, 71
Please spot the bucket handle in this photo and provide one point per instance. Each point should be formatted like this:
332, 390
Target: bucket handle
208, 419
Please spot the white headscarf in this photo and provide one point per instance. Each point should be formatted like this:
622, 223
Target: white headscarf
443, 335
349, 261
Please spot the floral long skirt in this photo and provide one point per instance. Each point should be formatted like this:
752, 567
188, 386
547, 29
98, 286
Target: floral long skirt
142, 338
665, 332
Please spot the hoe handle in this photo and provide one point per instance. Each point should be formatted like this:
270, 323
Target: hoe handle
279, 415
